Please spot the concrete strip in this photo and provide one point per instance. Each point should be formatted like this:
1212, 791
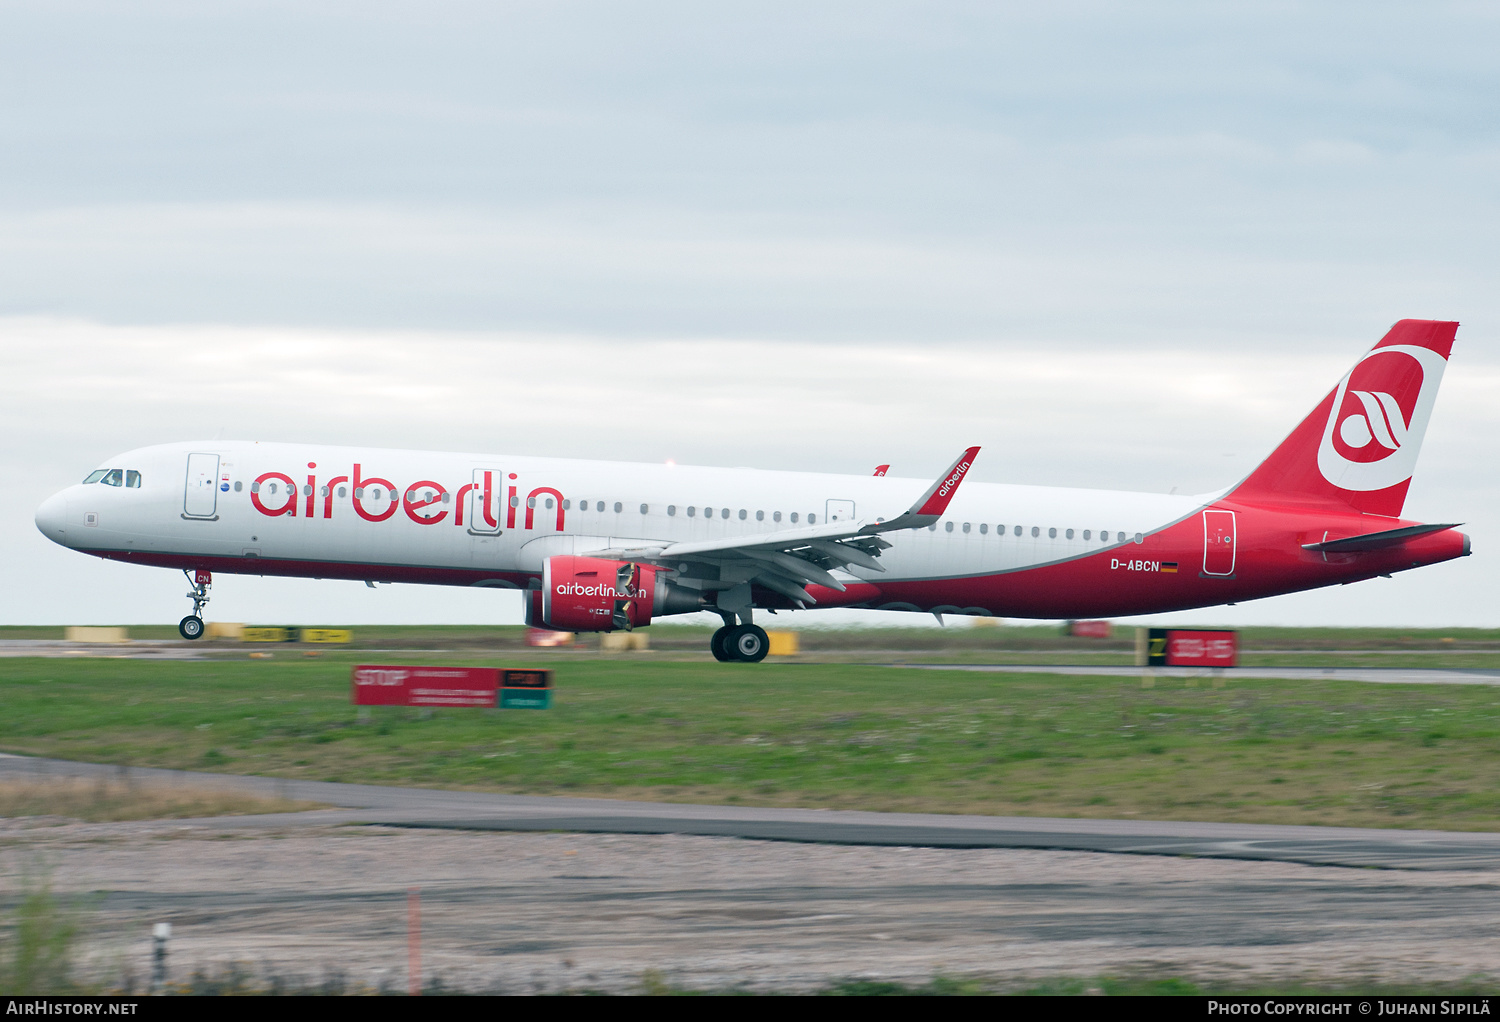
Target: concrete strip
1379, 675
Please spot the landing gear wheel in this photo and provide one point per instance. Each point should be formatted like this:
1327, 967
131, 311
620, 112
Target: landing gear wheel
748, 644
200, 579
718, 646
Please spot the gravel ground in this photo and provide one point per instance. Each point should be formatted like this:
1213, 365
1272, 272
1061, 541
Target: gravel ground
532, 912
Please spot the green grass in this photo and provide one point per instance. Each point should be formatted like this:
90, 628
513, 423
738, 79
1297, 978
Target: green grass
845, 736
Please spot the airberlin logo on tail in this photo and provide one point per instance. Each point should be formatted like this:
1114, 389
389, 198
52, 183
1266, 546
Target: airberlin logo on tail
1379, 415
1382, 421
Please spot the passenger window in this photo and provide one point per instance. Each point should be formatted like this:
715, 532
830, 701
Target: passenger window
1087, 534
966, 526
708, 512
619, 507
1070, 533
446, 496
567, 503
947, 526
272, 488
691, 511
932, 527
983, 528
744, 514
645, 508
760, 516
1120, 537
549, 501
343, 491
306, 490
1017, 530
671, 510
812, 519
1139, 538
114, 477
1051, 533
96, 475
530, 502
238, 486
132, 479
1035, 531
776, 516
724, 513
793, 517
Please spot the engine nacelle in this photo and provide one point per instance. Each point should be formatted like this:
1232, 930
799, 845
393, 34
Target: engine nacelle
590, 594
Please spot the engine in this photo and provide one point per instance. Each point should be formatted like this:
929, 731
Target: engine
590, 594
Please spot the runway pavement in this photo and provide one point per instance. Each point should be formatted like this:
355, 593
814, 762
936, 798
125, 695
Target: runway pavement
465, 810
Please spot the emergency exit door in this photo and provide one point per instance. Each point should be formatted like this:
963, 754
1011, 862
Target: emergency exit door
1218, 543
201, 498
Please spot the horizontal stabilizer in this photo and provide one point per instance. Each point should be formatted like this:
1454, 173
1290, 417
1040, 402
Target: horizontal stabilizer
1376, 540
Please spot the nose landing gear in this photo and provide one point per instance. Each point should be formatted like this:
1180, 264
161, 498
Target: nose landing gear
191, 627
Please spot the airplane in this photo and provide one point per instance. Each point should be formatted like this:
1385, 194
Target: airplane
599, 546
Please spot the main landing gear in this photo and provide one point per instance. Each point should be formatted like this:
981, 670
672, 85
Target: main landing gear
746, 644
191, 627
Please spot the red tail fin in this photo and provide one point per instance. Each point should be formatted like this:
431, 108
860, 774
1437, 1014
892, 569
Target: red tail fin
1359, 446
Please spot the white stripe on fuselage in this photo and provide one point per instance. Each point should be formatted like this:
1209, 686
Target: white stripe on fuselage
150, 518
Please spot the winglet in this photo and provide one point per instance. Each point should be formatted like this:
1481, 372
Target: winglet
930, 506
935, 501
881, 470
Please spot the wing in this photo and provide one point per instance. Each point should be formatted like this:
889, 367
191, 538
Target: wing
787, 561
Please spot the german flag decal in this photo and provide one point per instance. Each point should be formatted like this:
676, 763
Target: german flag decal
1169, 566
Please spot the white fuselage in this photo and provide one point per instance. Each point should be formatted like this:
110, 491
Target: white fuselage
549, 506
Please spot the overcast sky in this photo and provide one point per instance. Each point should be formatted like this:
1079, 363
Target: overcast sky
1117, 245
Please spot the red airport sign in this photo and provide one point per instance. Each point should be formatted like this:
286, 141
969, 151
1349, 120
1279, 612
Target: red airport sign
391, 685
385, 685
1193, 647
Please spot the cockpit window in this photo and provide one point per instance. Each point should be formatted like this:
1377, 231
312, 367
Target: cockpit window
132, 479
96, 475
114, 477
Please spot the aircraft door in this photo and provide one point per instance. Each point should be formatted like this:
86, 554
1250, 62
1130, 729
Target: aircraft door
485, 510
840, 511
1218, 543
201, 496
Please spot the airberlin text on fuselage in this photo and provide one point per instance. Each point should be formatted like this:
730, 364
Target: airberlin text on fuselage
314, 498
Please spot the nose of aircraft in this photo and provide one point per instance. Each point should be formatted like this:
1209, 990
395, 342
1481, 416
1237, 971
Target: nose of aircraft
52, 517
